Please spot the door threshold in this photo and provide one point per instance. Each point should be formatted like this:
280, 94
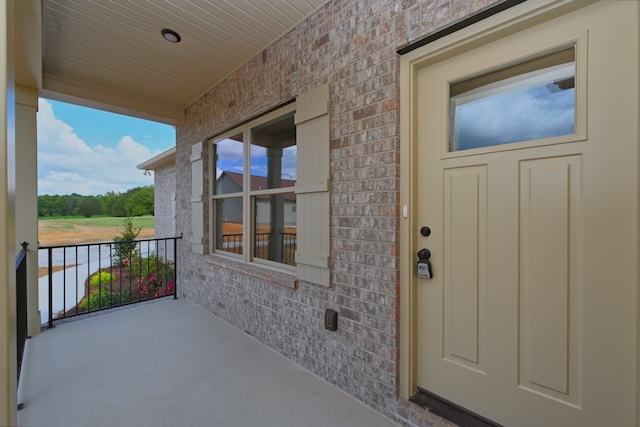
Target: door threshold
449, 410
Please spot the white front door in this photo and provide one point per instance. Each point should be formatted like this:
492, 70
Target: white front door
526, 159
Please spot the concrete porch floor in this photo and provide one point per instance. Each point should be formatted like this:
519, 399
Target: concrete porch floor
170, 363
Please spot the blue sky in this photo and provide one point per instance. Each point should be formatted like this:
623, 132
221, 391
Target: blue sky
230, 159
525, 107
92, 152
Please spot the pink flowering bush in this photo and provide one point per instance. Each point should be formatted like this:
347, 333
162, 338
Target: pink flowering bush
134, 279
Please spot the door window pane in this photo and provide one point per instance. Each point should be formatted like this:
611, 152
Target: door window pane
228, 231
527, 101
275, 227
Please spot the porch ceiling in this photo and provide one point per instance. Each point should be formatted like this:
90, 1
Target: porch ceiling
111, 55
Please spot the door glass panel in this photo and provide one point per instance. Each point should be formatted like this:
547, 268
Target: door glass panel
523, 102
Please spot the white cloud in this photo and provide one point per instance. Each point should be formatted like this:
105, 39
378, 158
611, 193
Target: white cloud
290, 162
229, 150
67, 164
523, 115
259, 170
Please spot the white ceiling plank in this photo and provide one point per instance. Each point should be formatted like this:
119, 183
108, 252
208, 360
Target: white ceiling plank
113, 50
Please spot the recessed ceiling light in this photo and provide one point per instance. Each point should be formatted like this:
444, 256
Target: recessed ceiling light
170, 35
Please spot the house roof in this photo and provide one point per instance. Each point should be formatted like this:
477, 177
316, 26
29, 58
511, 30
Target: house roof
111, 54
163, 159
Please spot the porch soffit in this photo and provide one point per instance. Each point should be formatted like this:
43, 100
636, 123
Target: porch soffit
111, 55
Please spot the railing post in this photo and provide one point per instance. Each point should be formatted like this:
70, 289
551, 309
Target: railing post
175, 268
50, 272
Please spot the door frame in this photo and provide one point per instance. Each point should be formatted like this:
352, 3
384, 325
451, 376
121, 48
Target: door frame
498, 26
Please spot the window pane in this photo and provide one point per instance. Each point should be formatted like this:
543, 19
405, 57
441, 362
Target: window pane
229, 163
528, 101
228, 227
273, 154
275, 227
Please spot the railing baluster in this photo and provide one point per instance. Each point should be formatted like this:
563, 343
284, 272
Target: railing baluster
77, 278
111, 275
130, 266
64, 281
175, 268
148, 266
139, 261
88, 275
99, 277
50, 272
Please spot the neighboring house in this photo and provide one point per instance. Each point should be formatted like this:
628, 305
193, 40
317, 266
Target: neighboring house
501, 136
231, 182
164, 191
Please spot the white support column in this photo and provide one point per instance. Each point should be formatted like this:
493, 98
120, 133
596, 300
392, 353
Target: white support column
8, 366
27, 195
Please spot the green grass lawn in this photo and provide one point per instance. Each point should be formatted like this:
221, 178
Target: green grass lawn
53, 231
70, 222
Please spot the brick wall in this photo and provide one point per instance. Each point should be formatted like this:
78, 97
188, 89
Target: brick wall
164, 201
351, 44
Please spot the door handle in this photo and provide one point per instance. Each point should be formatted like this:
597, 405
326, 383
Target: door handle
424, 270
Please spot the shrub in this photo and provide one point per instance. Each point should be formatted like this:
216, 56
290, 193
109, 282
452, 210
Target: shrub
153, 275
103, 298
124, 247
152, 267
101, 278
134, 280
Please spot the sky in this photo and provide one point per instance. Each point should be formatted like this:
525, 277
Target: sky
531, 106
92, 152
230, 158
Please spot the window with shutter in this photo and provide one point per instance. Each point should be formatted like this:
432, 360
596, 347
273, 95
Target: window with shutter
270, 192
254, 202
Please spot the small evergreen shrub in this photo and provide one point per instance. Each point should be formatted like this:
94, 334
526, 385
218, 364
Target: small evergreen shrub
125, 248
102, 277
100, 298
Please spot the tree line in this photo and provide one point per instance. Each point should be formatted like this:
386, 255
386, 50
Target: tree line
135, 202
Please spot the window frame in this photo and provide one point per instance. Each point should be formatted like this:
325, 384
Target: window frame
580, 46
247, 195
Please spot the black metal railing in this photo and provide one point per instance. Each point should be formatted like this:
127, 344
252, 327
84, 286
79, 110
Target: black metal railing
21, 303
91, 277
232, 243
288, 243
289, 246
